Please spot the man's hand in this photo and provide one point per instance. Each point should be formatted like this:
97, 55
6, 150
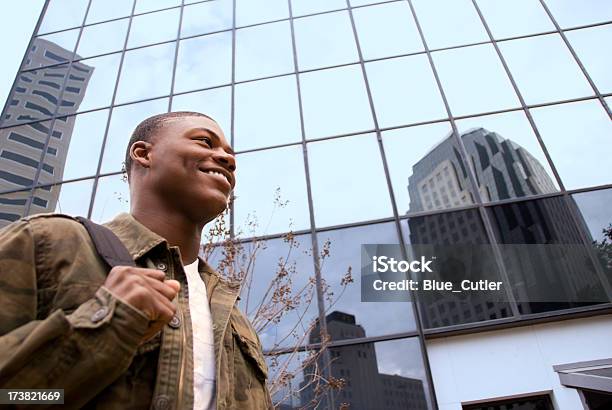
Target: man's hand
148, 291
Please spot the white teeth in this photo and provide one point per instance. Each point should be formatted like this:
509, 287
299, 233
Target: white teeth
217, 173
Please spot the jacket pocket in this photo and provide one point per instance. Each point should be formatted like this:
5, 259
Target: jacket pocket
250, 350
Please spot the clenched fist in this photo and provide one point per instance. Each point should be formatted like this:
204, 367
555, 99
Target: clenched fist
148, 291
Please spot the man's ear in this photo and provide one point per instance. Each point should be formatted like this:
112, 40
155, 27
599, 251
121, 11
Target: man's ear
140, 153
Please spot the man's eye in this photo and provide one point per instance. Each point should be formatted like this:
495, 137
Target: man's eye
206, 140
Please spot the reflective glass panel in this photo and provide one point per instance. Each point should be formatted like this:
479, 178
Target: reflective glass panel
112, 198
136, 83
301, 7
386, 30
363, 2
544, 69
65, 40
154, 28
215, 103
474, 80
383, 375
449, 23
204, 62
97, 90
404, 91
77, 149
62, 14
549, 276
286, 377
335, 102
255, 126
279, 265
462, 254
45, 52
142, 6
589, 44
506, 156
123, 121
332, 29
269, 198
206, 17
426, 169
335, 166
101, 10
569, 13
345, 306
263, 51
102, 38
577, 136
259, 11
36, 94
72, 198
12, 206
516, 18
21, 150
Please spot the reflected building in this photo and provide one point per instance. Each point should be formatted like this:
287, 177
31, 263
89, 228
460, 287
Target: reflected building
503, 170
38, 93
365, 388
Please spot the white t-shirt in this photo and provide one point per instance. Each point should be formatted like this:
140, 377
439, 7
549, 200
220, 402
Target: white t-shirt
203, 341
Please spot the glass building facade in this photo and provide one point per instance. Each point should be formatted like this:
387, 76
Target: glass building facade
398, 122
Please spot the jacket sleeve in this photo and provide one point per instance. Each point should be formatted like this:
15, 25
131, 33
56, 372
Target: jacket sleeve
81, 352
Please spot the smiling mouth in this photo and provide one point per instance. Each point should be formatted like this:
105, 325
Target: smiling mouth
219, 176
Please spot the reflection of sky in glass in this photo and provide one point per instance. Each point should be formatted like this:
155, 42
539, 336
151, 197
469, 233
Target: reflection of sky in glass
570, 13
595, 209
112, 198
335, 102
258, 175
348, 182
204, 62
146, 73
85, 144
345, 252
544, 69
154, 28
255, 125
64, 39
449, 23
142, 6
578, 138
123, 121
102, 38
404, 148
101, 10
63, 14
301, 7
206, 17
515, 18
74, 198
596, 60
404, 91
474, 80
263, 51
386, 30
259, 11
215, 103
334, 30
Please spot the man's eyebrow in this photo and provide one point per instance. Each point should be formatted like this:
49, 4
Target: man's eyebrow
228, 149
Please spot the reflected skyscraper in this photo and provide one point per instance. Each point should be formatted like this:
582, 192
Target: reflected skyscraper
365, 388
38, 93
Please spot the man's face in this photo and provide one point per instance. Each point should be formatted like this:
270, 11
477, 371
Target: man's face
192, 166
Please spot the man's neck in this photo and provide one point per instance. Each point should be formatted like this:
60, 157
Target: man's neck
175, 229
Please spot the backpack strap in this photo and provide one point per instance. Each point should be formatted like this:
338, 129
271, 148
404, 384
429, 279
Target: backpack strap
109, 247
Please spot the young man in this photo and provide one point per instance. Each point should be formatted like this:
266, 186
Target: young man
164, 335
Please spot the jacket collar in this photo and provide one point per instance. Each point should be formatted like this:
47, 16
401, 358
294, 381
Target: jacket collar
137, 238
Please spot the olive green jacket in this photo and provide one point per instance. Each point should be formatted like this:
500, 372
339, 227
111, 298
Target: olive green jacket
60, 328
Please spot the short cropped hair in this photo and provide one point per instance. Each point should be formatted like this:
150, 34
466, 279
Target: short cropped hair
149, 127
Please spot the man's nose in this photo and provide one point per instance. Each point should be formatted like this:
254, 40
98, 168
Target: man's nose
226, 159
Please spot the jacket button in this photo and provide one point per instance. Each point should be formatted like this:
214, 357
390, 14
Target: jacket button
162, 266
161, 403
99, 314
175, 322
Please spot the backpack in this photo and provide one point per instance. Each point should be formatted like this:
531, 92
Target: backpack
108, 246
